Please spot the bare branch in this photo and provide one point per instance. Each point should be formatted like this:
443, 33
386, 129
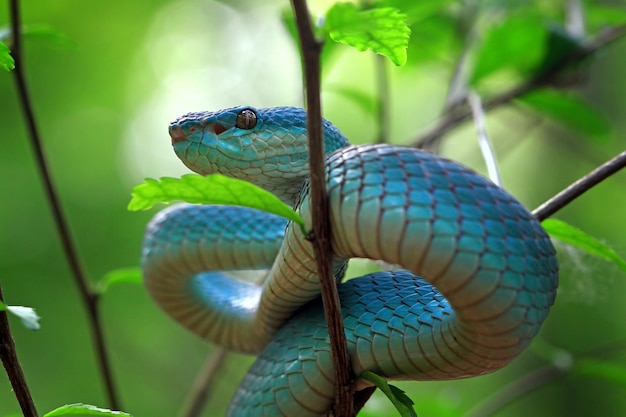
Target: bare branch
577, 188
311, 49
8, 356
199, 395
459, 115
89, 297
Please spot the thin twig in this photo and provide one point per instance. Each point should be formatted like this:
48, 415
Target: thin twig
311, 49
89, 297
458, 116
577, 188
8, 356
201, 388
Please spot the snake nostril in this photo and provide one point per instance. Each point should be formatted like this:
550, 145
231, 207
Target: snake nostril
177, 134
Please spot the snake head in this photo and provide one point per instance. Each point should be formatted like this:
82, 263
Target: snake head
265, 146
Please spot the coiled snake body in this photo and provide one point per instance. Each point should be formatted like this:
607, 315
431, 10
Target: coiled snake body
489, 269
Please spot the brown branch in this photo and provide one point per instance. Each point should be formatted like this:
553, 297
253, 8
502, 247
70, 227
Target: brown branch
311, 49
577, 188
459, 115
8, 356
199, 395
89, 297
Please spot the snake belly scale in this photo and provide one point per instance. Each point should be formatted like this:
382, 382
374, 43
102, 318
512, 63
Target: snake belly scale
479, 272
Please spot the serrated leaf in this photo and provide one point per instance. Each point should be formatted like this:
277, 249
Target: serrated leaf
84, 410
27, 316
120, 276
611, 371
568, 110
210, 189
398, 398
6, 60
382, 30
576, 237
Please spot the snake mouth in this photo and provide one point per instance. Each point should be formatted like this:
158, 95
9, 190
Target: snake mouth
177, 134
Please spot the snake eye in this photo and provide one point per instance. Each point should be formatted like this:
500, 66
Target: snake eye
246, 119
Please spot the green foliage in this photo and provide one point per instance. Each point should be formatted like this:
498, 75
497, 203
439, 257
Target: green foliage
569, 110
560, 47
6, 60
210, 189
398, 398
611, 371
516, 43
120, 276
27, 315
576, 237
84, 410
382, 30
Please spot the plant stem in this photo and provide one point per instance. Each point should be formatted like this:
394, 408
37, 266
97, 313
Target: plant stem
89, 297
311, 49
11, 363
577, 188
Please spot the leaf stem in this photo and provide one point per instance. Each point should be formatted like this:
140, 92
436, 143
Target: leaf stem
311, 50
456, 116
89, 297
577, 188
11, 363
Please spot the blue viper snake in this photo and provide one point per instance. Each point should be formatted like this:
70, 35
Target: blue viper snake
479, 274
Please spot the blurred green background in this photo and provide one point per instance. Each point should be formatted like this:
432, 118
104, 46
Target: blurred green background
105, 88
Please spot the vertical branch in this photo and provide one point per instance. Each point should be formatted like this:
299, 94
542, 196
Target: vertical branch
8, 356
311, 49
89, 297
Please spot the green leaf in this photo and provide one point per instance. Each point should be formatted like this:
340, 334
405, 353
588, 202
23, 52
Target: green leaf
3, 306
27, 316
212, 189
611, 371
84, 410
6, 60
560, 45
516, 43
120, 276
382, 30
569, 110
398, 398
39, 32
576, 237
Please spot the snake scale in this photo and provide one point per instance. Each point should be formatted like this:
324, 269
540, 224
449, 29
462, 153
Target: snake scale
479, 272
